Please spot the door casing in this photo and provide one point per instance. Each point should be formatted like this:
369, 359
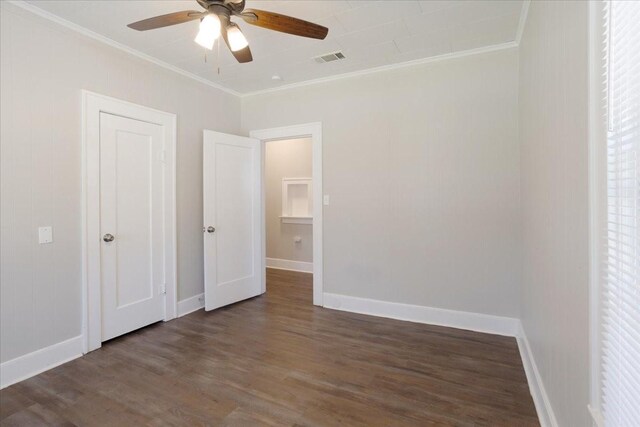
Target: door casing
313, 131
92, 105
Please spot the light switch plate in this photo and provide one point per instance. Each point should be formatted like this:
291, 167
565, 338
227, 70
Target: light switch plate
45, 235
325, 200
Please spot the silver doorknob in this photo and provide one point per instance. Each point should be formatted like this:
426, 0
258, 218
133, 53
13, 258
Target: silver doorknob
210, 229
108, 237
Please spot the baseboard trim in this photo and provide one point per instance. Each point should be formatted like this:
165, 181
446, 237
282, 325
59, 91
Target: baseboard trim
189, 305
285, 264
422, 314
539, 394
36, 362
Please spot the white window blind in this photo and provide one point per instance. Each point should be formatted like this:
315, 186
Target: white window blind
620, 349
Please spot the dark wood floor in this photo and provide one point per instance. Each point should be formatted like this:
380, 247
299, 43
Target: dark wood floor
277, 360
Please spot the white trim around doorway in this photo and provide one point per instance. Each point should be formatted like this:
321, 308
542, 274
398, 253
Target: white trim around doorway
92, 105
313, 131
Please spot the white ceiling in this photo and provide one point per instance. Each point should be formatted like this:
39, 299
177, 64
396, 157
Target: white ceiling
369, 33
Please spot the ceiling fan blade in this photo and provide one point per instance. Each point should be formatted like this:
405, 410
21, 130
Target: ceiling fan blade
284, 24
242, 55
166, 20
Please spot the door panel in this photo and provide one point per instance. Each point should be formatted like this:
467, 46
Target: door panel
131, 210
133, 217
232, 197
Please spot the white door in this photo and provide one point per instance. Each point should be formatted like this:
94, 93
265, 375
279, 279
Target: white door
131, 224
232, 219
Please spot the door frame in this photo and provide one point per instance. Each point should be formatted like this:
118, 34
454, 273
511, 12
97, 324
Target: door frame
92, 105
313, 131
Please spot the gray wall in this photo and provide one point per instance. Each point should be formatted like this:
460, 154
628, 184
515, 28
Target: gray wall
286, 159
553, 135
43, 69
422, 166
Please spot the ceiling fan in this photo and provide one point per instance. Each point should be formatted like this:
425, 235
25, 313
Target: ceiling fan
215, 21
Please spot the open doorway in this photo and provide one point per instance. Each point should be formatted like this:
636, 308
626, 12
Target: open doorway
234, 212
288, 201
292, 206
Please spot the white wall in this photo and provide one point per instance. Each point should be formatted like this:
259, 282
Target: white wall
286, 159
553, 135
422, 166
43, 69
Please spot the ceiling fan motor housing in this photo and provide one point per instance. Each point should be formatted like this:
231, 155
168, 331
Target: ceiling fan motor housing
213, 6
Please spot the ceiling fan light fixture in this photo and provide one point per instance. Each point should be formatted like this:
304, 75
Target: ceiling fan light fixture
215, 21
237, 40
209, 31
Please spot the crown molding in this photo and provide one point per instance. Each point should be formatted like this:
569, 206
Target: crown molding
106, 40
82, 30
421, 61
523, 20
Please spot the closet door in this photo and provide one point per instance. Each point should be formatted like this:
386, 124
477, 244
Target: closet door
131, 223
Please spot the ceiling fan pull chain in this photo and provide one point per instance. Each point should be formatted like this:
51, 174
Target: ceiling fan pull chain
218, 56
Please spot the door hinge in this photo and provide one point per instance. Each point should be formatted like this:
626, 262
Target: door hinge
164, 288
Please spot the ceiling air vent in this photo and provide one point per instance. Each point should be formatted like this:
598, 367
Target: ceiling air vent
329, 57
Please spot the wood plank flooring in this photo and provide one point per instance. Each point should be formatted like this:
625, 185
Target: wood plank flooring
277, 360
